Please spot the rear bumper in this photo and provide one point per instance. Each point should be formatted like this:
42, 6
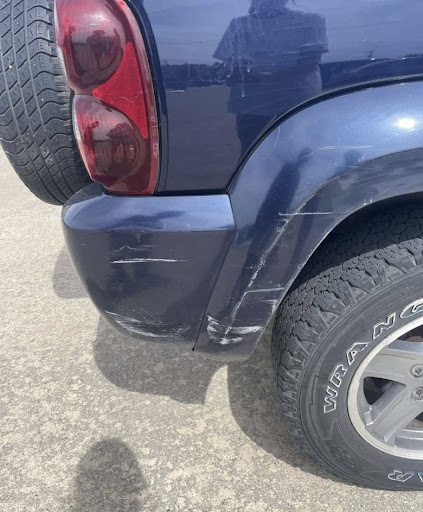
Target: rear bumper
149, 263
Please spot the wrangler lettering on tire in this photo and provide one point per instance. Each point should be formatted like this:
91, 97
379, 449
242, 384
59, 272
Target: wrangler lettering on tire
340, 371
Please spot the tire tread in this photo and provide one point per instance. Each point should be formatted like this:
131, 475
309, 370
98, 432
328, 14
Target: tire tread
343, 272
35, 103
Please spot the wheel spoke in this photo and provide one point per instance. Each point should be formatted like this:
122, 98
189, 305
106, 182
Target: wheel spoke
394, 410
395, 361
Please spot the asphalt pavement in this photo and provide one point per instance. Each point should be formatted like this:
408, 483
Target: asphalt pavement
91, 421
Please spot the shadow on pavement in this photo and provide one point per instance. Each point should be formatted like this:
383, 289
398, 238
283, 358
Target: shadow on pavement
65, 281
108, 479
169, 371
160, 369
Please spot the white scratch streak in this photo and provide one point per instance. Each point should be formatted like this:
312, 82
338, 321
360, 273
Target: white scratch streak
245, 330
146, 260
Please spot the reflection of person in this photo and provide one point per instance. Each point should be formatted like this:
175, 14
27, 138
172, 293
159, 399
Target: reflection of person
272, 57
100, 40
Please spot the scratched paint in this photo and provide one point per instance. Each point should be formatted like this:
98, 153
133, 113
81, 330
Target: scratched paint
140, 326
146, 260
225, 335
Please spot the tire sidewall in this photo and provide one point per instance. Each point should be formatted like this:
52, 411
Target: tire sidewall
324, 391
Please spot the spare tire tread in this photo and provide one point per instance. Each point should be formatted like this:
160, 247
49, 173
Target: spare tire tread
35, 104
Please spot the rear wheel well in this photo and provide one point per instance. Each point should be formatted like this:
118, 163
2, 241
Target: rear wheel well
367, 213
409, 201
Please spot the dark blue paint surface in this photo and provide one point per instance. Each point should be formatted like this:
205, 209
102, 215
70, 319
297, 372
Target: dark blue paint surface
211, 270
149, 263
232, 67
299, 184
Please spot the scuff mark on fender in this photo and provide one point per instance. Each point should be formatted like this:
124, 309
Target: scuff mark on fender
224, 332
246, 330
223, 335
299, 214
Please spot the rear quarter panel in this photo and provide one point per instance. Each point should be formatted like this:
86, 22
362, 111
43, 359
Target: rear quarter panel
231, 68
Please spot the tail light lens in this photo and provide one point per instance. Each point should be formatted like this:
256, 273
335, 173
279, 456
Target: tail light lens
114, 112
111, 145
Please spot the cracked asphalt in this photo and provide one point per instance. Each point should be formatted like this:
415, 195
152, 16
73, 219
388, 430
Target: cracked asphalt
91, 421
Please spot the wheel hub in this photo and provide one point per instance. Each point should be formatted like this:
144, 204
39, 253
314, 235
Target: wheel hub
385, 399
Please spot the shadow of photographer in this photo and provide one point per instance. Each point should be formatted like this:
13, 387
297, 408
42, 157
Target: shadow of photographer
108, 479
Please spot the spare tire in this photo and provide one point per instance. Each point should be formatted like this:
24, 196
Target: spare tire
35, 103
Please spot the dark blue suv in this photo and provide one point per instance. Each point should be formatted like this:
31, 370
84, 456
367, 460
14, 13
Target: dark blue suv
228, 163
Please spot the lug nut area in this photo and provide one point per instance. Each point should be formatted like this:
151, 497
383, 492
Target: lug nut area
418, 394
417, 370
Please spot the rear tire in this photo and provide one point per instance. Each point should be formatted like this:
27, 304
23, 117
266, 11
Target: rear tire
35, 103
360, 292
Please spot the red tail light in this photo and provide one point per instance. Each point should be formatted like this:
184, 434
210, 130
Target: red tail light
115, 118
